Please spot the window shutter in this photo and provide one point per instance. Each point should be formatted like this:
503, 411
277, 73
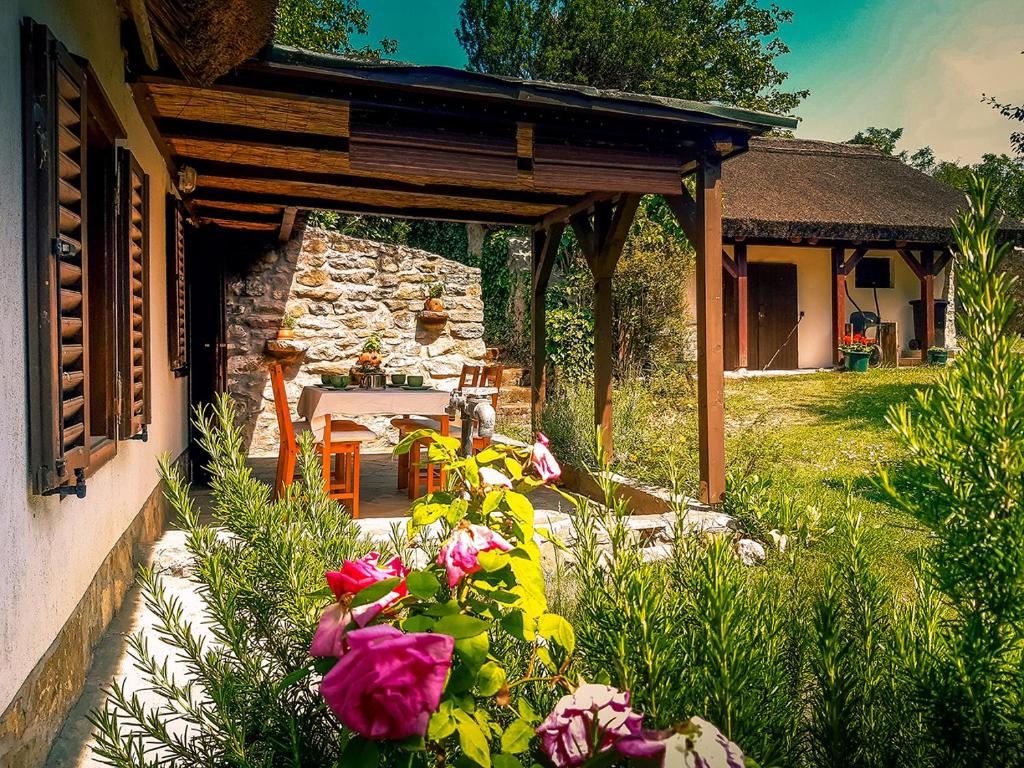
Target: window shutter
134, 217
56, 263
176, 317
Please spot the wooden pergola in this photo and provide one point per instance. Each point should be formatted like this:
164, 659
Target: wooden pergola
297, 130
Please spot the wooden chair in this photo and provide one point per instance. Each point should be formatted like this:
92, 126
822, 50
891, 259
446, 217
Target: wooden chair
483, 376
288, 451
422, 477
339, 450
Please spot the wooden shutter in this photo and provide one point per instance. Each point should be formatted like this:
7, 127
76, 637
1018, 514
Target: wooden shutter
177, 336
133, 203
56, 263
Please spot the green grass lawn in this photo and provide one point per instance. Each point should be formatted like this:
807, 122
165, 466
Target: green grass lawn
810, 435
815, 435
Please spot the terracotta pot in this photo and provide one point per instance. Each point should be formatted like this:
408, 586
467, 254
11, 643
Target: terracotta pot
364, 358
285, 333
433, 305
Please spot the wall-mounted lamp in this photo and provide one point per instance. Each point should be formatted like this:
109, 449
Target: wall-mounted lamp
186, 179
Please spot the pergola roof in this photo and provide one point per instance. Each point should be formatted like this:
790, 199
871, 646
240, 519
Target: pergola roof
789, 189
296, 129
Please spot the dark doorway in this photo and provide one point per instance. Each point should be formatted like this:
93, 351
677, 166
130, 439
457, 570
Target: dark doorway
207, 352
772, 316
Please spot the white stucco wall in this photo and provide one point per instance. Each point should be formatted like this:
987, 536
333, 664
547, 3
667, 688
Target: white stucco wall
50, 549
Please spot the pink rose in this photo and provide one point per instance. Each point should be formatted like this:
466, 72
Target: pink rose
388, 683
544, 461
357, 575
697, 741
460, 555
568, 733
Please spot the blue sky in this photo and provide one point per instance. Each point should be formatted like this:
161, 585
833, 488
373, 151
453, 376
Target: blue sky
917, 64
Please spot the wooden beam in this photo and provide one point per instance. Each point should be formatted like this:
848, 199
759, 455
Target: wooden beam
743, 344
287, 224
912, 262
684, 208
942, 262
710, 337
850, 264
602, 242
582, 205
545, 249
927, 302
141, 18
838, 301
231, 134
730, 265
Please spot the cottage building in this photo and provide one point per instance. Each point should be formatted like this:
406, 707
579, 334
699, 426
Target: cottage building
819, 234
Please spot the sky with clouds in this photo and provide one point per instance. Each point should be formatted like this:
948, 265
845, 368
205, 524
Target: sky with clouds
917, 64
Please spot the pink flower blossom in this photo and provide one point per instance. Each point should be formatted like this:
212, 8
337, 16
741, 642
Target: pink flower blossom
388, 683
492, 477
696, 743
544, 461
460, 554
568, 733
357, 575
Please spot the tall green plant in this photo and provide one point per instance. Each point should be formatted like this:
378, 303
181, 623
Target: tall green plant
964, 476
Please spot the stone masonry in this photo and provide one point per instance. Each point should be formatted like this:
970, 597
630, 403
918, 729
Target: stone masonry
342, 290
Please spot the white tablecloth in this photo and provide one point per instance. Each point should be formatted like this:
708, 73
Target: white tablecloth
315, 403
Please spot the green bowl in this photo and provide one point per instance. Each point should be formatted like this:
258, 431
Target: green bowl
334, 380
398, 379
414, 381
344, 380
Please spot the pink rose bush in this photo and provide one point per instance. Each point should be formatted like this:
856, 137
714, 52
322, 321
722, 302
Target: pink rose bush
388, 683
460, 555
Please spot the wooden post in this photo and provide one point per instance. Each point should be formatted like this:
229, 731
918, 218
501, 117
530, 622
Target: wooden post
545, 247
602, 244
710, 362
838, 302
927, 301
742, 354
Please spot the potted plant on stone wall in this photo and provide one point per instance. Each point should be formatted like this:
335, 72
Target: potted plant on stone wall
937, 355
433, 313
287, 329
857, 351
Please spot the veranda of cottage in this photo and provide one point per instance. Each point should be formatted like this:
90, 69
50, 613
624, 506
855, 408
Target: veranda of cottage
294, 130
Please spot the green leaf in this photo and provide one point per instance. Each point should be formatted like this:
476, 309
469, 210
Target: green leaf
487, 455
517, 737
425, 514
530, 580
443, 609
293, 677
520, 626
418, 623
519, 506
490, 679
460, 625
423, 584
360, 751
558, 630
375, 592
442, 724
491, 502
473, 650
492, 560
514, 468
472, 739
527, 712
505, 761
456, 511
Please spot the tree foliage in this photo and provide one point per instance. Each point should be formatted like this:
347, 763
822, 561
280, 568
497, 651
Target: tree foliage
327, 26
692, 49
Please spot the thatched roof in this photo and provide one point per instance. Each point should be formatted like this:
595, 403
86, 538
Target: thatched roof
783, 189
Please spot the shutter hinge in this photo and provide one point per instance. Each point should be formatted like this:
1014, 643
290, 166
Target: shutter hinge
143, 435
77, 490
61, 248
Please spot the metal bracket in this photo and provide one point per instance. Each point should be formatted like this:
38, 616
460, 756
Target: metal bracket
77, 490
143, 435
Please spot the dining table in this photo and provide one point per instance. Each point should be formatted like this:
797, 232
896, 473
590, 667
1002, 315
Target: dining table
317, 402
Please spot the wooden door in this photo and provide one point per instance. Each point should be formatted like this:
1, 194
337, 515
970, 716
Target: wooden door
772, 316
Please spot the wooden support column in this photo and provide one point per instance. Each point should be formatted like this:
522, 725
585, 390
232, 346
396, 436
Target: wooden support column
928, 301
545, 248
742, 347
710, 337
838, 301
602, 242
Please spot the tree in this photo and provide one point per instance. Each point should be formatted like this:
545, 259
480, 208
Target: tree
327, 26
1013, 112
693, 49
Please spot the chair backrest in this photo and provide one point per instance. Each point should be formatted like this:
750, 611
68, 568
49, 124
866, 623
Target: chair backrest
284, 416
482, 376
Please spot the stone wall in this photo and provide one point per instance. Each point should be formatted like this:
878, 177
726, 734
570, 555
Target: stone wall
342, 290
